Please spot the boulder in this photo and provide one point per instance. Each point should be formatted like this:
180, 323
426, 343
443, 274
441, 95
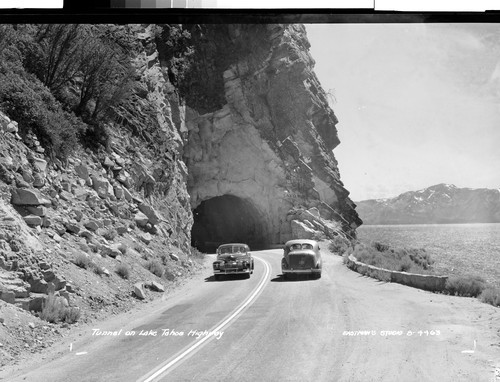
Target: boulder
37, 210
157, 287
77, 214
146, 237
121, 229
66, 196
91, 225
152, 215
33, 220
82, 171
140, 219
8, 296
101, 186
127, 195
28, 176
314, 212
107, 162
139, 291
84, 233
36, 302
59, 228
46, 222
174, 257
301, 230
110, 250
38, 285
72, 227
27, 197
40, 165
80, 193
118, 192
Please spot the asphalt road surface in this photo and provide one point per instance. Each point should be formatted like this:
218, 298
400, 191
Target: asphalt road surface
342, 327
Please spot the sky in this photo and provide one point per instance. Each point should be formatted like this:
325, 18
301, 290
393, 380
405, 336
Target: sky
418, 104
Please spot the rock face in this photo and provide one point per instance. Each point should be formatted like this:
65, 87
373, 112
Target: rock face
442, 203
260, 138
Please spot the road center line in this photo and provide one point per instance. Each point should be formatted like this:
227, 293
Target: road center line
168, 364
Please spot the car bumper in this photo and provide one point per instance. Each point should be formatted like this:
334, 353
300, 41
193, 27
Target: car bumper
231, 271
310, 270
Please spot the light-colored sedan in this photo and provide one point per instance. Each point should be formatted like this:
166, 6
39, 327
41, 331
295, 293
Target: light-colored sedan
301, 257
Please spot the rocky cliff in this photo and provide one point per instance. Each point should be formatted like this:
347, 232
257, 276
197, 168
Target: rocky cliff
225, 135
260, 139
438, 204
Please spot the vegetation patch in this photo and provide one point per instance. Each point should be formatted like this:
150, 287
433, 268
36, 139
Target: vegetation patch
123, 271
54, 310
110, 234
467, 286
490, 295
411, 260
82, 261
196, 253
155, 267
98, 270
339, 245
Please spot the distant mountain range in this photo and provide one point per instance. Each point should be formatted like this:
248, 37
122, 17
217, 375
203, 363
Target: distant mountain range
439, 204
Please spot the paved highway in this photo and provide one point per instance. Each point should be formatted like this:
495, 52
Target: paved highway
342, 327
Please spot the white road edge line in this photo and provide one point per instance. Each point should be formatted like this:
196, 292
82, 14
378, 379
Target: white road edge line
162, 369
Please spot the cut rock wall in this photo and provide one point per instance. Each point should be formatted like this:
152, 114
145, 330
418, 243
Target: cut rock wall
269, 140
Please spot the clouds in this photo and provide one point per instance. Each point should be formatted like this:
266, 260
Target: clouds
417, 103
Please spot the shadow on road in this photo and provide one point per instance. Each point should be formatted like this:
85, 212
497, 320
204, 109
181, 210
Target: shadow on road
293, 278
225, 278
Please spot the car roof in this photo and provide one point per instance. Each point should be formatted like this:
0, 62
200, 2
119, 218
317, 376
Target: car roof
301, 241
231, 244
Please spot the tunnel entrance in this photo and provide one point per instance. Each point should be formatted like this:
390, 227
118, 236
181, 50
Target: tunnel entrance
226, 219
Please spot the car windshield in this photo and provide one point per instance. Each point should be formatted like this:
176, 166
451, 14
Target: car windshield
232, 249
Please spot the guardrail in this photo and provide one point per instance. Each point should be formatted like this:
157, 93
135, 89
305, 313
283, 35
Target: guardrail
427, 282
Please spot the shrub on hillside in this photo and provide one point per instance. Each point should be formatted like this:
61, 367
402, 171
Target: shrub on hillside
339, 245
490, 295
70, 315
123, 271
155, 267
82, 260
380, 247
467, 286
98, 270
27, 101
110, 234
196, 253
123, 249
402, 259
54, 310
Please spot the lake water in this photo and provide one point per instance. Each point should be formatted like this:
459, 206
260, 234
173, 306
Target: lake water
460, 249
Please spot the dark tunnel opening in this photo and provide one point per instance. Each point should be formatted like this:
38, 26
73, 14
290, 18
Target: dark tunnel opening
226, 219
